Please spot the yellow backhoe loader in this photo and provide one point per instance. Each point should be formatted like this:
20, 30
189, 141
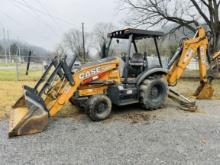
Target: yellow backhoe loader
96, 86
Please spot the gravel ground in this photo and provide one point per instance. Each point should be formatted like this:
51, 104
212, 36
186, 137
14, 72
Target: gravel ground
131, 136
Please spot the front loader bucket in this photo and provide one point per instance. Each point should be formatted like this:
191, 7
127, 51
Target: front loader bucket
204, 91
29, 114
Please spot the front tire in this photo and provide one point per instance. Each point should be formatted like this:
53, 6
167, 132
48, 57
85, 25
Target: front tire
153, 93
99, 107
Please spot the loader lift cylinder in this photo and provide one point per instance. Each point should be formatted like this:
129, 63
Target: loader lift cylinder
43, 76
62, 64
48, 82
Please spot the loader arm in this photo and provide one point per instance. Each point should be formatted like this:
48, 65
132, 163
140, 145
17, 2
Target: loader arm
197, 45
81, 77
30, 113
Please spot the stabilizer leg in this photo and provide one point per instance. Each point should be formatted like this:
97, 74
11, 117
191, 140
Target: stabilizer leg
184, 103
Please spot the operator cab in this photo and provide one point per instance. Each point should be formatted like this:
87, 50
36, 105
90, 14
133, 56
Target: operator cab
135, 61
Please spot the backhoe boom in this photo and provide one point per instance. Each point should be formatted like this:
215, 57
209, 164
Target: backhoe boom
198, 45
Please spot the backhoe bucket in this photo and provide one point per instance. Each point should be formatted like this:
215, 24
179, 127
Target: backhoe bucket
204, 91
29, 114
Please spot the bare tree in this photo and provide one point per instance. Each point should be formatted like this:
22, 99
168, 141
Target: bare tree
60, 50
73, 43
184, 14
14, 49
101, 31
1, 50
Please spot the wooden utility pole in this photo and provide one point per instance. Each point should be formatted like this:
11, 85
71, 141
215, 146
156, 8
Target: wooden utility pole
9, 46
83, 39
5, 47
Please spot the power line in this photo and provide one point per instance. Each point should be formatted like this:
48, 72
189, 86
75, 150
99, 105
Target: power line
9, 17
51, 27
22, 9
48, 12
36, 16
43, 13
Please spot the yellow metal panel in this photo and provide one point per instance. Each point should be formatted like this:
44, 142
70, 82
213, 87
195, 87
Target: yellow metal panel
92, 91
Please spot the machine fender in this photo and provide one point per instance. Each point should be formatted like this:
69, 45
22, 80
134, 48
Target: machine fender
150, 72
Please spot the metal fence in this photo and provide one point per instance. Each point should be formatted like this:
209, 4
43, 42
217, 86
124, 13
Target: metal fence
152, 61
15, 68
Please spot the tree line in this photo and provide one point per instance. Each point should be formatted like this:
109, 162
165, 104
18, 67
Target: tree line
12, 50
72, 43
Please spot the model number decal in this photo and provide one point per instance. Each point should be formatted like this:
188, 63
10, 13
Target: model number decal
203, 55
188, 55
89, 73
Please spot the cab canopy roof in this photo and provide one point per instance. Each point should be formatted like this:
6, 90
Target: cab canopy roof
137, 34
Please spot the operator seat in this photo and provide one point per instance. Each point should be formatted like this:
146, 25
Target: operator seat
121, 67
137, 64
137, 60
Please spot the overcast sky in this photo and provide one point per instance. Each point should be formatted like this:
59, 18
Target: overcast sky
43, 22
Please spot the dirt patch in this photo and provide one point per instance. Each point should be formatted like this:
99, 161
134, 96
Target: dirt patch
132, 113
127, 113
137, 117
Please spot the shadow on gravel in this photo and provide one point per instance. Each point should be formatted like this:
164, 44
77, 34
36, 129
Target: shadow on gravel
132, 113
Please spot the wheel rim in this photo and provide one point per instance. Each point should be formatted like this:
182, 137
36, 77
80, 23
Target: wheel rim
101, 108
155, 92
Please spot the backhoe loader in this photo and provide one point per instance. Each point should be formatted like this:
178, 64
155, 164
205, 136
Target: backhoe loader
113, 80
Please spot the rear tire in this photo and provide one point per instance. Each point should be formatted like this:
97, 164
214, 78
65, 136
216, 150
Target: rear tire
153, 93
99, 107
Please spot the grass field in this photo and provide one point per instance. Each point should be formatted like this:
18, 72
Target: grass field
4, 64
193, 74
187, 87
8, 72
12, 90
10, 75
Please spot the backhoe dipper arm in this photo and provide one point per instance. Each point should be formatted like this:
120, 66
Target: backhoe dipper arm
191, 47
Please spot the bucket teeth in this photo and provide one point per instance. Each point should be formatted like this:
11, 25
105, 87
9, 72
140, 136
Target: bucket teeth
204, 91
